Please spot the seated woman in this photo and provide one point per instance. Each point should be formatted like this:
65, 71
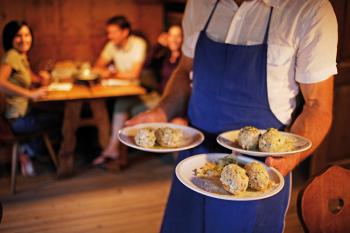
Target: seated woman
164, 60
16, 80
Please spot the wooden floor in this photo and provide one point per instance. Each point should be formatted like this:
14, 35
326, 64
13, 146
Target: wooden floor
97, 201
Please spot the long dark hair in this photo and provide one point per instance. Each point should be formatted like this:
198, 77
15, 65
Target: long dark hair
10, 31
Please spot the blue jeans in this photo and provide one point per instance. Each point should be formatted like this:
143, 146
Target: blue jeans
35, 121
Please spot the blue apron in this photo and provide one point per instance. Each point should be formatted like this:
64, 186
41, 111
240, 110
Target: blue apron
229, 92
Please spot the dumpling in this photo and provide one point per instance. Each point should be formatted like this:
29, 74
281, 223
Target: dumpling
272, 141
258, 176
169, 137
234, 179
248, 138
145, 137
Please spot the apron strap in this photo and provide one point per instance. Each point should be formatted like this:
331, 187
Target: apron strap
266, 36
211, 14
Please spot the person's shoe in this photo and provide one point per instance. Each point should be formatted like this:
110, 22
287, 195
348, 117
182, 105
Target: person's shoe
27, 168
102, 159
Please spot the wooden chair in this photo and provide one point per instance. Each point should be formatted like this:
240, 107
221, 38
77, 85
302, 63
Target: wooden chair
8, 137
324, 203
0, 212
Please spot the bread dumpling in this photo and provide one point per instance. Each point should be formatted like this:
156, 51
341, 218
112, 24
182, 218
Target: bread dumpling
234, 179
145, 137
272, 141
169, 137
248, 138
258, 176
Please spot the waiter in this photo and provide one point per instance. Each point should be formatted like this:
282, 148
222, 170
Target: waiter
250, 59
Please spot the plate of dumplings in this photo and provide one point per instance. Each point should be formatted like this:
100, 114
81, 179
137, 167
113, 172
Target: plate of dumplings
263, 142
229, 177
160, 137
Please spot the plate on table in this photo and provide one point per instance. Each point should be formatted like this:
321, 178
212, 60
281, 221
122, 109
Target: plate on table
192, 137
116, 82
60, 87
212, 187
87, 76
229, 140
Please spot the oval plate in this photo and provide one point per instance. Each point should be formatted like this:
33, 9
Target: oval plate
213, 188
89, 77
192, 137
229, 140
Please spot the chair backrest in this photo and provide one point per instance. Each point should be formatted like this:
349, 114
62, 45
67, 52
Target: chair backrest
0, 212
324, 203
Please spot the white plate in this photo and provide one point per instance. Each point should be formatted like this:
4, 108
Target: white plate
192, 137
213, 188
229, 140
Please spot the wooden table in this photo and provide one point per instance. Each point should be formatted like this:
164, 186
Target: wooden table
94, 96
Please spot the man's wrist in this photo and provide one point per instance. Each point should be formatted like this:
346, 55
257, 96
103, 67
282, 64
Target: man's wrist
161, 112
297, 159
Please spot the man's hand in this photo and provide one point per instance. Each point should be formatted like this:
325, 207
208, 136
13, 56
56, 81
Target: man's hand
154, 115
102, 72
283, 164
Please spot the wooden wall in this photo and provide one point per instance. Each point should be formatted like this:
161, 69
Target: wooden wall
337, 145
74, 29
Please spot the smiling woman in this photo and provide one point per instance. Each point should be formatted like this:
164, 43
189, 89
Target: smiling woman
16, 79
17, 35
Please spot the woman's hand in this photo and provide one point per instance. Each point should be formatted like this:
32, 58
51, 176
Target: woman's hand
283, 164
154, 115
163, 39
38, 93
45, 77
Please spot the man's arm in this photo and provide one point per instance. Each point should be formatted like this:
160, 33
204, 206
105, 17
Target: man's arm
175, 98
100, 67
313, 123
132, 74
178, 89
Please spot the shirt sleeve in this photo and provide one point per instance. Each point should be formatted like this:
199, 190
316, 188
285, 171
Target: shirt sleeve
189, 29
316, 56
11, 59
107, 52
139, 50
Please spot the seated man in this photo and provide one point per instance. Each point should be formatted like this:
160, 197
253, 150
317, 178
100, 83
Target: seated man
128, 53
164, 59
125, 50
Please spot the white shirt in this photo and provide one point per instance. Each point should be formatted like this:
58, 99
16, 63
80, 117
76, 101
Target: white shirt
124, 58
302, 42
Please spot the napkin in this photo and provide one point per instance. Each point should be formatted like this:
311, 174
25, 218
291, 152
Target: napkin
116, 82
60, 86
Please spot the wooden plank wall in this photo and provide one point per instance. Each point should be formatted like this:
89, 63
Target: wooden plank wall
336, 146
66, 29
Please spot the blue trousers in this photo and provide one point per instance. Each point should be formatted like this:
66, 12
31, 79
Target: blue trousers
33, 122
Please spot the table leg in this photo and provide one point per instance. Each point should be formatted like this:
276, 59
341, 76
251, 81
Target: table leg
100, 115
70, 124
